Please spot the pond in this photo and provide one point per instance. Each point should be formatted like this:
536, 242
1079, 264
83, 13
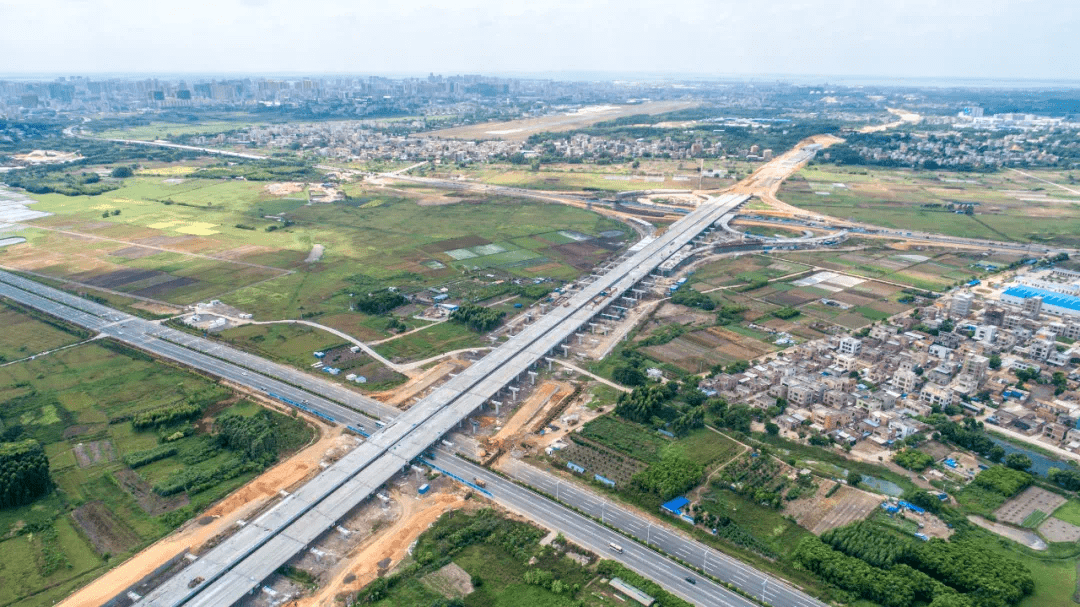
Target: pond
881, 486
1040, 464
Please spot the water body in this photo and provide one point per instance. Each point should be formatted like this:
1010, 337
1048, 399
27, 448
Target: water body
1040, 464
882, 486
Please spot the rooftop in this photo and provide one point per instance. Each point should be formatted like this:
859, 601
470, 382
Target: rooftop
1050, 298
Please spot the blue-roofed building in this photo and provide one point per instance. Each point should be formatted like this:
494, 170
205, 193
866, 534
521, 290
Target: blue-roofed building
1055, 303
675, 506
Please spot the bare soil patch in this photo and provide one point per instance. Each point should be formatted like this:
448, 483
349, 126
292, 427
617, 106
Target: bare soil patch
107, 534
96, 452
1016, 510
451, 581
284, 189
156, 308
164, 288
135, 252
1055, 530
820, 514
118, 278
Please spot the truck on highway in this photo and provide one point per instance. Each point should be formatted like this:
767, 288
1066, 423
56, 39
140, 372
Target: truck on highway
479, 482
615, 547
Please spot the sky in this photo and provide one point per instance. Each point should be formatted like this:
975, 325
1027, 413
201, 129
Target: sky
990, 39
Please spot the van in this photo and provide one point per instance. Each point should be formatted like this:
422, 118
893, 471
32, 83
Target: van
615, 547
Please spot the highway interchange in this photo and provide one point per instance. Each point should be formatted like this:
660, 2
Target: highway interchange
240, 563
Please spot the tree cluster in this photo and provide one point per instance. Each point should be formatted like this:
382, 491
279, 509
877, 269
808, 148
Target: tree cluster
913, 460
477, 318
1002, 480
24, 473
644, 402
379, 302
693, 299
673, 475
866, 558
256, 437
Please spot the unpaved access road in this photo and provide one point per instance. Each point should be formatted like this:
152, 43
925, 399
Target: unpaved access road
361, 566
237, 506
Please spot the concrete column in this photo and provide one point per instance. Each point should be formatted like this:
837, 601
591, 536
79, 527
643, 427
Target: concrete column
514, 392
532, 377
497, 405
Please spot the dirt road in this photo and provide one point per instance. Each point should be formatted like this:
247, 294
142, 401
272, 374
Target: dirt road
361, 566
223, 515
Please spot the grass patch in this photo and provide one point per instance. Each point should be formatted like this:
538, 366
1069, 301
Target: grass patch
1069, 512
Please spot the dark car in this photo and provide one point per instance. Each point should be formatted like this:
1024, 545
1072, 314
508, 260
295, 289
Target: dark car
691, 580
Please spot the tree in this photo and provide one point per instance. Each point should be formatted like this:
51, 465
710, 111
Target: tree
122, 172
1066, 478
995, 361
1018, 461
854, 479
996, 454
628, 375
24, 473
772, 429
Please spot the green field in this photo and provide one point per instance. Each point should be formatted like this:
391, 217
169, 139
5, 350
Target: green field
77, 403
176, 240
166, 130
440, 338
25, 335
1069, 512
1008, 205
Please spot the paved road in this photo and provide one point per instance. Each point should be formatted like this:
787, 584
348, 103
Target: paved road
201, 354
649, 563
717, 564
125, 328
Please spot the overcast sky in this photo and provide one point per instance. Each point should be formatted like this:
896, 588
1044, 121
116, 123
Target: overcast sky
900, 38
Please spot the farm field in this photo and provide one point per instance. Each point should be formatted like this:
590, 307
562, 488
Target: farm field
181, 240
296, 344
753, 291
167, 130
1069, 512
926, 268
25, 335
1008, 205
82, 404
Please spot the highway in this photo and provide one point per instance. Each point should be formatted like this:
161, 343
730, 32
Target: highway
595, 537
240, 563
772, 590
200, 354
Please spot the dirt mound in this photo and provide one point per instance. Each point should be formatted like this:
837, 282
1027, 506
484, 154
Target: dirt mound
284, 189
